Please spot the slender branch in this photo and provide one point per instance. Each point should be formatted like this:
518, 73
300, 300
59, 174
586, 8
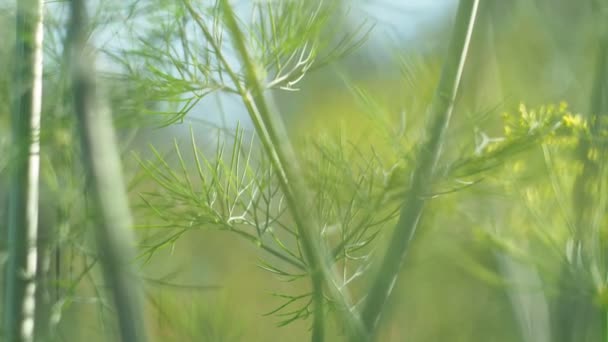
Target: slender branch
293, 262
20, 300
100, 155
422, 178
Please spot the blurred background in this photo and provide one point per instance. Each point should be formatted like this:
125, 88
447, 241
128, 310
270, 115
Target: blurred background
205, 284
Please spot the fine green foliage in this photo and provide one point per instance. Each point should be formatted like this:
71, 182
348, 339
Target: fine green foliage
298, 57
454, 190
181, 61
355, 197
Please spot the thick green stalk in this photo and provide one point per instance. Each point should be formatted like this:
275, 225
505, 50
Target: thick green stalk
276, 143
20, 296
101, 159
427, 157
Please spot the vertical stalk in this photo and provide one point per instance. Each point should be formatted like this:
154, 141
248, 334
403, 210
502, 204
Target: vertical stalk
19, 301
102, 163
575, 314
44, 286
599, 112
276, 143
427, 156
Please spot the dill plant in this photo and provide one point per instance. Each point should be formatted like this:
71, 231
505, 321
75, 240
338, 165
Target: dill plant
311, 249
321, 208
354, 199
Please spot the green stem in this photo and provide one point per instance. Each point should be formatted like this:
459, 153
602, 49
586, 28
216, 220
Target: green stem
422, 178
573, 311
276, 144
102, 163
20, 296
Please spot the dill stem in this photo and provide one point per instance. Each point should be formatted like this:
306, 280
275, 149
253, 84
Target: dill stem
427, 156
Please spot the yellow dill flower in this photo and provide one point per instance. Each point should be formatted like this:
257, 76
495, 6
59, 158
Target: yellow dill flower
523, 110
573, 121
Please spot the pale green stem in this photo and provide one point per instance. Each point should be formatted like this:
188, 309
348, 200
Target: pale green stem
20, 296
422, 177
115, 238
